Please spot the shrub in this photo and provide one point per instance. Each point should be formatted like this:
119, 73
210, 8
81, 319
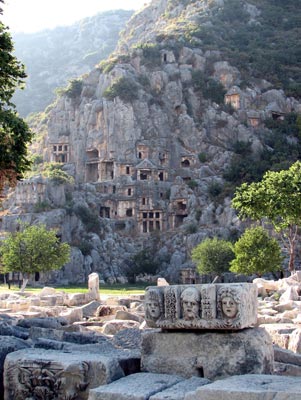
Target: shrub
256, 253
89, 218
142, 262
213, 256
192, 184
54, 172
125, 88
74, 88
202, 157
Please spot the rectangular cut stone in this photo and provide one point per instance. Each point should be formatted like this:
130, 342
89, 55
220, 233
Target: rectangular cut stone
178, 391
250, 387
230, 306
40, 374
134, 387
212, 355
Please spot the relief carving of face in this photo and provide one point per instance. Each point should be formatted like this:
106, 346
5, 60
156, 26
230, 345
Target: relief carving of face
191, 303
153, 307
229, 307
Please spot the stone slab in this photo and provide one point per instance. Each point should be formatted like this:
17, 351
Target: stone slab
212, 306
212, 355
139, 386
40, 374
250, 387
178, 391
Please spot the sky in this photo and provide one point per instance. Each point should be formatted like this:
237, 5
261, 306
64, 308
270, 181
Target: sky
35, 15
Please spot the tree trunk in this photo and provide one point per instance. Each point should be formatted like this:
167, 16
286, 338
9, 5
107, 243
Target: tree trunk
291, 263
24, 283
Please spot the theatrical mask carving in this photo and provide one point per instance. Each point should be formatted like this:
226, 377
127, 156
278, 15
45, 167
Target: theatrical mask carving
212, 306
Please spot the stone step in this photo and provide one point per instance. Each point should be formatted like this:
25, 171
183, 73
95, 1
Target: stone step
147, 386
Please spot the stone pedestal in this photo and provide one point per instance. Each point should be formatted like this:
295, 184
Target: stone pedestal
93, 285
40, 374
211, 355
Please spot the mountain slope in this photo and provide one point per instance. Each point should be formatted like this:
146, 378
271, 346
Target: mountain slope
52, 57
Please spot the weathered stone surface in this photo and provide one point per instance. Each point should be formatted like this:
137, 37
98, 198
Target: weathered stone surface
250, 387
286, 356
178, 391
287, 369
214, 306
128, 316
134, 387
280, 333
9, 344
93, 286
90, 308
211, 355
295, 341
112, 327
36, 373
50, 322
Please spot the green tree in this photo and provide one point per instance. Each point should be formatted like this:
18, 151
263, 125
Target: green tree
275, 198
213, 256
256, 253
14, 132
33, 249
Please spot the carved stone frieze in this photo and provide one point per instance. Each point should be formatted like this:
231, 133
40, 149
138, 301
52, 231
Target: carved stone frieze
212, 306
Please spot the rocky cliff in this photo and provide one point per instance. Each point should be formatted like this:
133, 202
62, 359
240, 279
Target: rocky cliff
150, 145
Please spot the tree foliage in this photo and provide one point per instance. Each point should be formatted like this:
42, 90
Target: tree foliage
256, 253
14, 132
213, 256
276, 198
33, 249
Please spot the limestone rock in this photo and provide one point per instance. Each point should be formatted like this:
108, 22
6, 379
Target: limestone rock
178, 391
211, 355
250, 387
112, 327
134, 387
9, 344
55, 374
295, 341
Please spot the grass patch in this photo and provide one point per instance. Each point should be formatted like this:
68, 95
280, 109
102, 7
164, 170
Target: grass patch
117, 289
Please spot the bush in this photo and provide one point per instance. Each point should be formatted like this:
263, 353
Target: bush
202, 157
256, 253
142, 262
192, 184
125, 88
213, 256
89, 218
74, 88
54, 172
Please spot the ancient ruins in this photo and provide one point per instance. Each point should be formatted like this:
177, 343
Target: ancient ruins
215, 306
86, 346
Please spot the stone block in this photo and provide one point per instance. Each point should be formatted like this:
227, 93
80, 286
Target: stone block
8, 344
134, 387
112, 327
40, 374
178, 391
212, 306
280, 333
93, 286
250, 387
211, 355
